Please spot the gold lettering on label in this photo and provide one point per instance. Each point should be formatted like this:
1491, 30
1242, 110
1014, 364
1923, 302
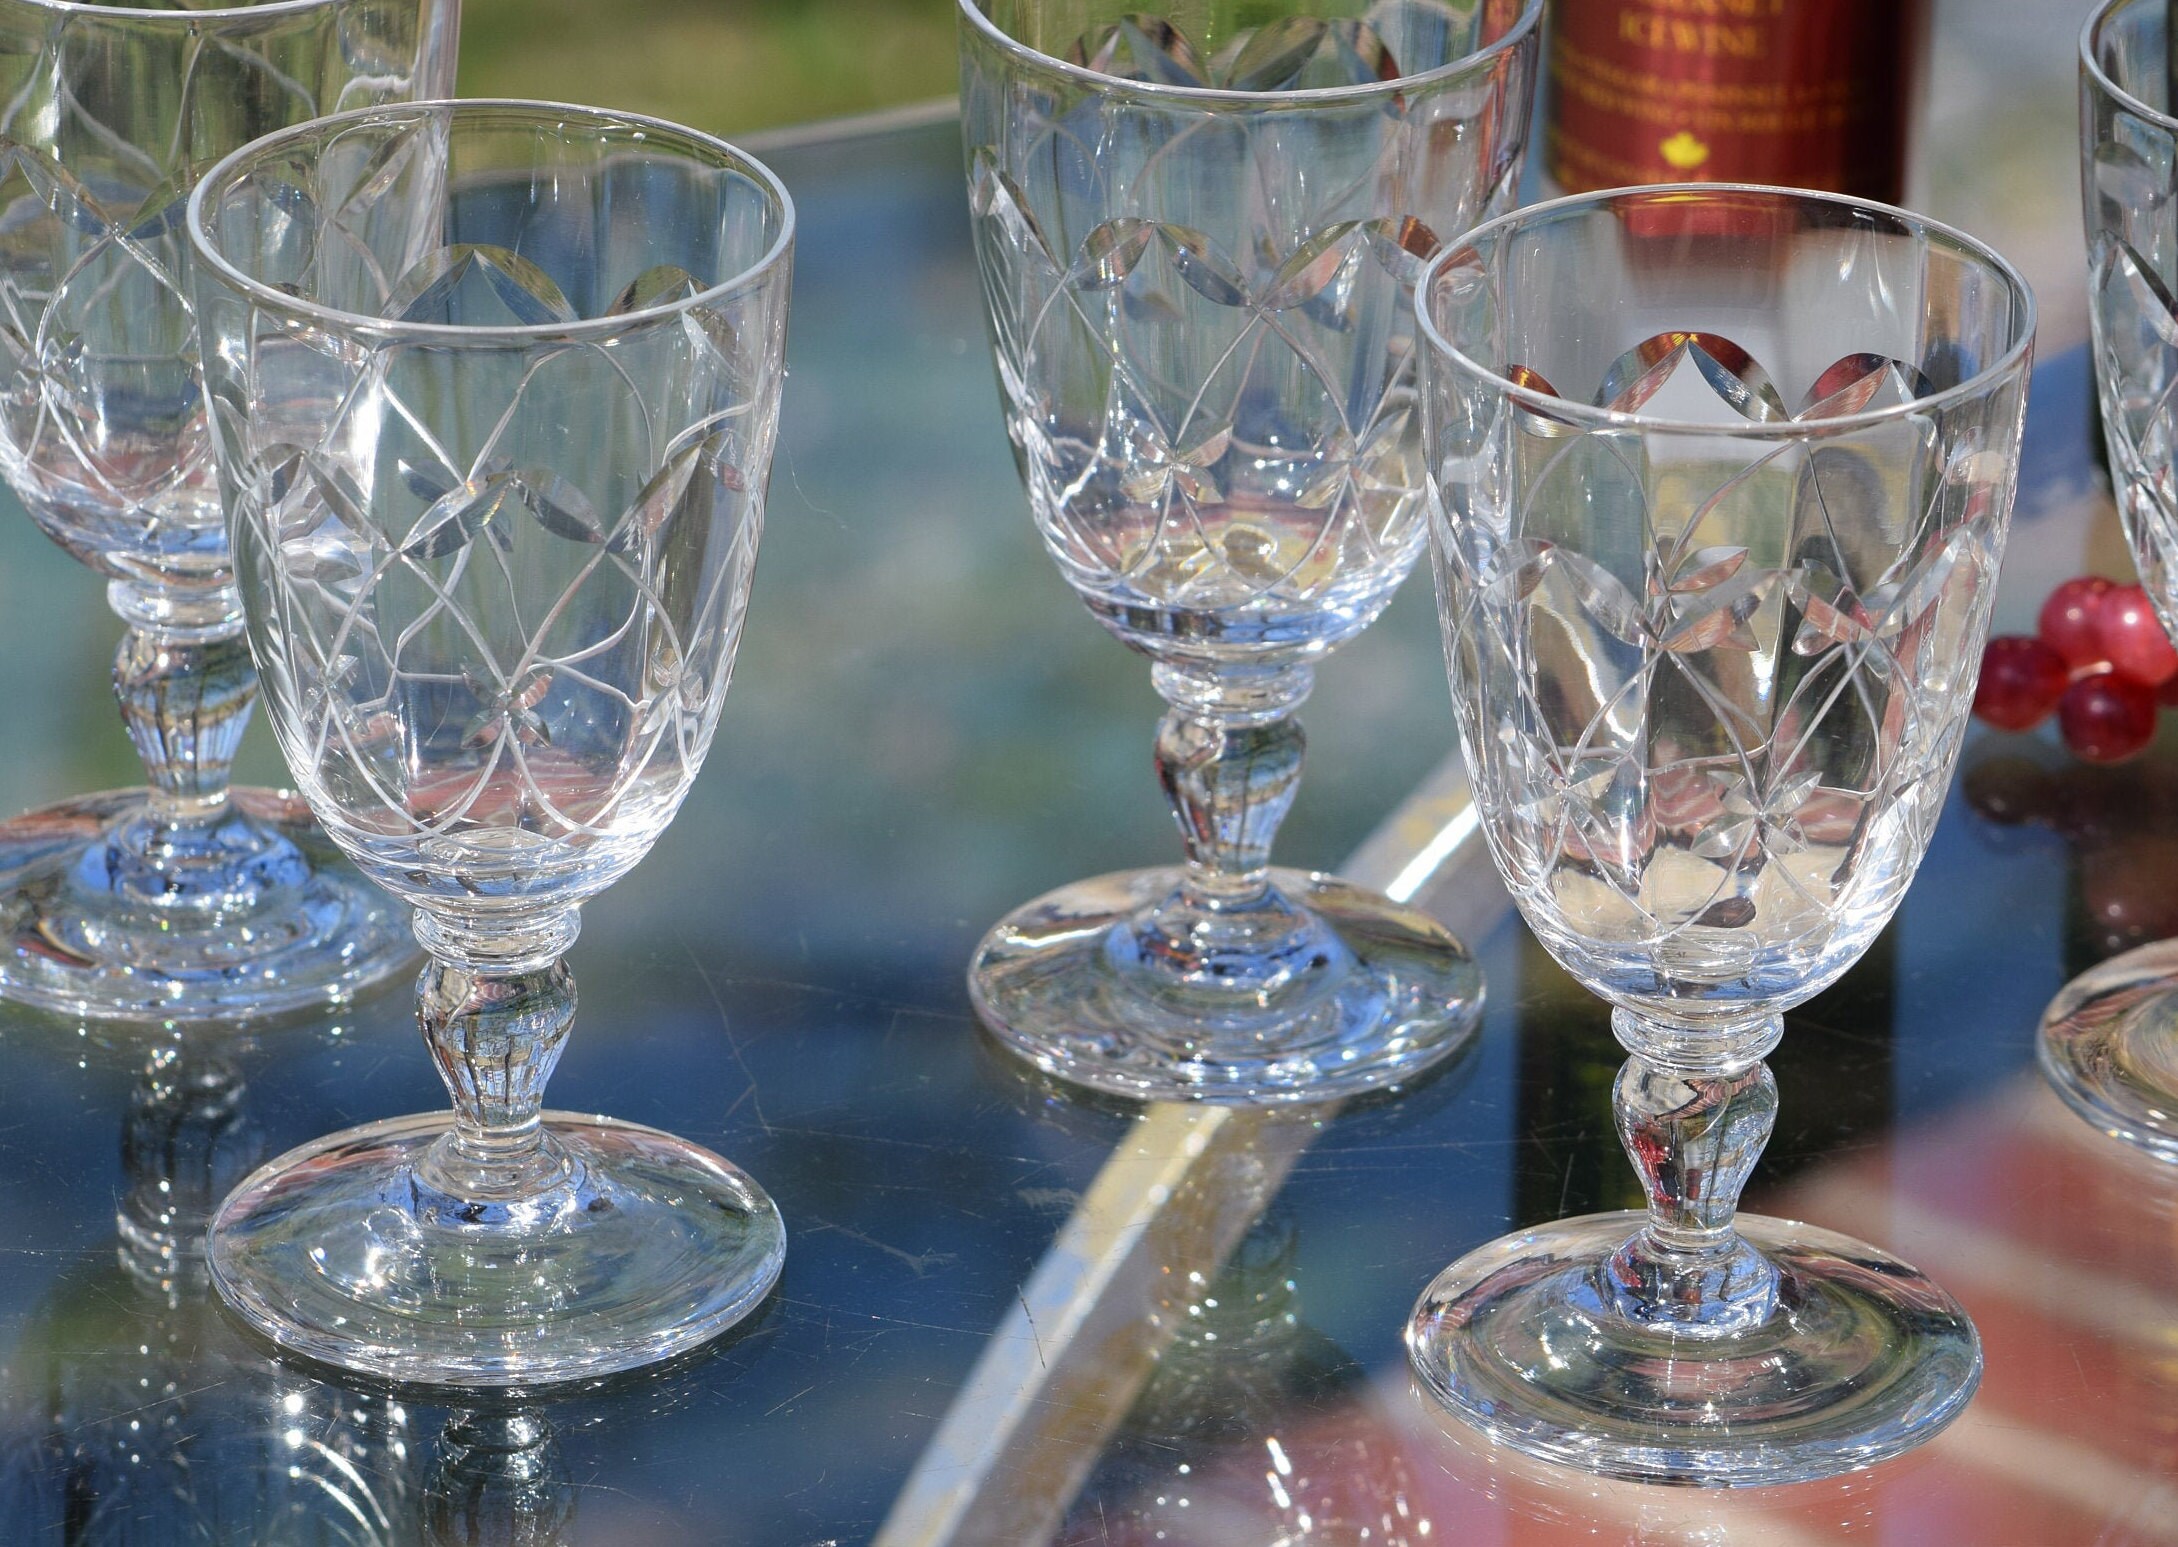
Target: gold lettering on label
1739, 10
1710, 40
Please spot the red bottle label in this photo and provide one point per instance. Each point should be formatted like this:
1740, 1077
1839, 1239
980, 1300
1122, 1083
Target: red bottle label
1807, 93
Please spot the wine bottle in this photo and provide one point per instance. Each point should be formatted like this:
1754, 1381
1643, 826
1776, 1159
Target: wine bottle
1805, 93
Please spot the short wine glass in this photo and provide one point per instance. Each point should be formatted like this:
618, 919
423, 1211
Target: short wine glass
187, 902
1199, 237
1720, 480
496, 386
2109, 1041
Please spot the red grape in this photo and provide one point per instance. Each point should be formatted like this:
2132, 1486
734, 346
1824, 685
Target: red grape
2069, 620
2106, 718
2133, 641
2021, 681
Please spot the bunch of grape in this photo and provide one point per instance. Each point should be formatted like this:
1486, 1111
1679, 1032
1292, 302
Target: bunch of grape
2101, 660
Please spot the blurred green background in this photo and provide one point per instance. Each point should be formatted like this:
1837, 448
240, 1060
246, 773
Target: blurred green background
729, 66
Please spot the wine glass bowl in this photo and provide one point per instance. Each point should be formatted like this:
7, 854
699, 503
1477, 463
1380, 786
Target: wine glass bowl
495, 387
1199, 235
2109, 1041
1720, 479
189, 902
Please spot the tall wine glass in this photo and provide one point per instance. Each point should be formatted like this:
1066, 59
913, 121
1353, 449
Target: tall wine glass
189, 901
1199, 241
497, 385
2109, 1041
1720, 480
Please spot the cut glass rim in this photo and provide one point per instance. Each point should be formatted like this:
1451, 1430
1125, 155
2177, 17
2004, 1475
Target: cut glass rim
222, 175
1573, 410
1525, 25
2090, 34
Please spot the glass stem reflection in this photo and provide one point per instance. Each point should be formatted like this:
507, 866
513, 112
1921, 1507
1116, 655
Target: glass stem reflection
1694, 1110
500, 1478
495, 1004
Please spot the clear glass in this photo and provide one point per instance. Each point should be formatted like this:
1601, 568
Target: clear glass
496, 387
2109, 1042
188, 901
1720, 479
1199, 242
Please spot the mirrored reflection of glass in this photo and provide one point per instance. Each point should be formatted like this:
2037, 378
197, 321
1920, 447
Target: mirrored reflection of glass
497, 386
133, 1413
188, 901
1721, 481
2110, 1041
499, 1481
1199, 235
1253, 1427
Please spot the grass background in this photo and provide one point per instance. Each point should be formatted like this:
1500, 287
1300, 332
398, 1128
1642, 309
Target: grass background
729, 66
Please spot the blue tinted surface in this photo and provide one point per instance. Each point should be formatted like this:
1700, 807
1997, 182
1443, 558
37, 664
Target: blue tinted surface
925, 730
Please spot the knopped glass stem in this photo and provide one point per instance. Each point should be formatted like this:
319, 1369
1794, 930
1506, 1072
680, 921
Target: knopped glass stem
186, 687
496, 1004
1229, 757
1694, 1110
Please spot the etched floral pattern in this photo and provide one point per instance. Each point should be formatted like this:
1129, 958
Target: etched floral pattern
1710, 687
1201, 307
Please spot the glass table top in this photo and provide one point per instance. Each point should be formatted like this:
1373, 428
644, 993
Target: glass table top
1011, 1315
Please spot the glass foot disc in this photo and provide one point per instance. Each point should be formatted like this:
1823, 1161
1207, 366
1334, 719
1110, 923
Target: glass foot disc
1865, 1359
1044, 981
2109, 1045
659, 1246
317, 935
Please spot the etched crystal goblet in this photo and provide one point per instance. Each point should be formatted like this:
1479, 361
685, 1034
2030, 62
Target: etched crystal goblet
496, 386
1199, 241
2109, 1041
1720, 479
190, 901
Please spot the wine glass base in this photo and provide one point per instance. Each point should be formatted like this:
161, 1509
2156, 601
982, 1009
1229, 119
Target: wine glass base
313, 934
653, 1247
2109, 1045
1402, 995
1864, 1358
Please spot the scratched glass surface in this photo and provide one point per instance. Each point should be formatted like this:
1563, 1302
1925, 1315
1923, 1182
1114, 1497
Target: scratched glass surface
781, 981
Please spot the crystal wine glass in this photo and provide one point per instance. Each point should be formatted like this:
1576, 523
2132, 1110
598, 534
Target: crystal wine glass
1199, 236
2109, 1041
496, 386
189, 901
1720, 479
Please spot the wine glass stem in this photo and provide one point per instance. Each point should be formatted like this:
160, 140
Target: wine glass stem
1694, 1110
186, 685
1229, 756
496, 1023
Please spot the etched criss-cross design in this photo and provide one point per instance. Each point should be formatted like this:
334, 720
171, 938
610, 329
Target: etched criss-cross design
102, 423
570, 699
1212, 393
1169, 445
